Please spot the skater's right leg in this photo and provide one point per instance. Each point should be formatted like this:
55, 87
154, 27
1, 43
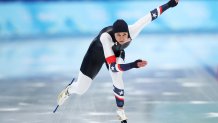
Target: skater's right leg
79, 87
90, 67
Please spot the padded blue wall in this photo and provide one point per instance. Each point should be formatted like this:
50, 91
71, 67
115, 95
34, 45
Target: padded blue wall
38, 19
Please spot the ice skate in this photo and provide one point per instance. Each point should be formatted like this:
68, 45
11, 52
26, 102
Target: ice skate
63, 96
122, 116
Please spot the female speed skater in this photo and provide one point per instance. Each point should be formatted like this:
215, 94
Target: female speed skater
108, 47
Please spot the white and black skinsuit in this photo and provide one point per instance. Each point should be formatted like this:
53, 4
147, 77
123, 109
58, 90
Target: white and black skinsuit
105, 49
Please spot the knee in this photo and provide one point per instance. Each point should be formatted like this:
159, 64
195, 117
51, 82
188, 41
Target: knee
83, 83
82, 88
120, 103
119, 95
80, 92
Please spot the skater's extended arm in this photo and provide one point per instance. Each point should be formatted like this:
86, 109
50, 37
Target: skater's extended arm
110, 57
111, 61
137, 27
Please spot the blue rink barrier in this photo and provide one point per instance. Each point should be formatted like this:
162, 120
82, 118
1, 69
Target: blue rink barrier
47, 19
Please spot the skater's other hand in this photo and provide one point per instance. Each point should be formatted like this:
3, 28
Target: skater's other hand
173, 3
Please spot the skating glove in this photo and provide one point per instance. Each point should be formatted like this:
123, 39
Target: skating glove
134, 64
172, 3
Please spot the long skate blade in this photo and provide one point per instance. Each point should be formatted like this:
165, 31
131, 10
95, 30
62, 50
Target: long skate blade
56, 109
72, 81
124, 121
58, 105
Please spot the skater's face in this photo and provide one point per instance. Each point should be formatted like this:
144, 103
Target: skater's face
121, 37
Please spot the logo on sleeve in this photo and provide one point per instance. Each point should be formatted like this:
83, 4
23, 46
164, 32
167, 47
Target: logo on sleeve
154, 14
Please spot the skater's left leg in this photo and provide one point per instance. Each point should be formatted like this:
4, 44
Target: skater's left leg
117, 78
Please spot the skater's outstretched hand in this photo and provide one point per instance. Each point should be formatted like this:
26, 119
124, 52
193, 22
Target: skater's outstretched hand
173, 3
139, 63
142, 63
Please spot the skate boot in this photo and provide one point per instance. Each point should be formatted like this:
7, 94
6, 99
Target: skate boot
63, 96
122, 116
